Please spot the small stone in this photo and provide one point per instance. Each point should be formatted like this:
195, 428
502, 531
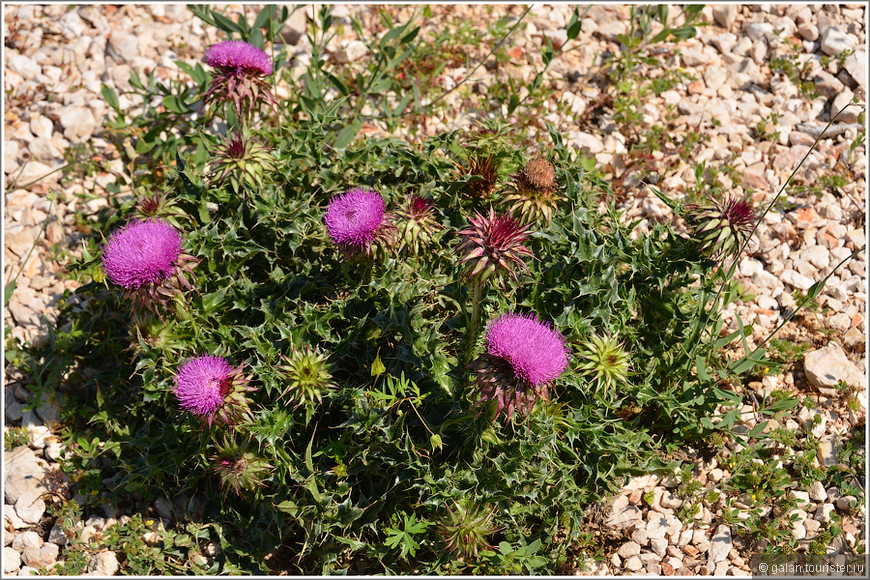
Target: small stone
659, 545
354, 51
827, 367
812, 527
625, 518
725, 15
126, 46
722, 569
855, 65
823, 514
628, 549
56, 535
23, 65
24, 473
26, 540
845, 503
164, 508
802, 497
838, 105
808, 31
104, 563
796, 280
834, 41
585, 142
30, 506
42, 557
633, 564
639, 536
827, 84
78, 123
11, 560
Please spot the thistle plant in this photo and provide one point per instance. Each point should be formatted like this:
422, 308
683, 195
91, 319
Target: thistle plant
722, 227
212, 390
238, 468
417, 223
357, 223
533, 192
523, 357
465, 530
242, 162
145, 258
484, 172
160, 205
605, 361
308, 375
491, 247
241, 72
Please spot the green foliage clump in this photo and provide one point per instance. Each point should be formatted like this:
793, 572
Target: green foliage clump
364, 452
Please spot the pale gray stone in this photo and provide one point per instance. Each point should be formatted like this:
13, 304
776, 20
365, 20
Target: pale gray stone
828, 366
823, 514
856, 66
104, 563
23, 472
725, 15
808, 31
844, 504
817, 492
37, 172
839, 105
796, 280
26, 540
633, 564
834, 41
827, 84
829, 449
725, 42
23, 65
42, 557
628, 549
30, 506
758, 30
585, 142
659, 546
124, 45
78, 122
721, 544
11, 560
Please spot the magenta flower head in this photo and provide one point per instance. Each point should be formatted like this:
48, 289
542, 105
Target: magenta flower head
238, 57
211, 389
523, 356
492, 245
356, 220
240, 71
145, 258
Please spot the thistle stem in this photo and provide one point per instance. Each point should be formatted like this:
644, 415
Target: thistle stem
476, 299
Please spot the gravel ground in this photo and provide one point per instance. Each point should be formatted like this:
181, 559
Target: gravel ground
56, 58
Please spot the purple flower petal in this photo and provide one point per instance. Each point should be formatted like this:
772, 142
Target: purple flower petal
140, 253
200, 384
238, 56
536, 353
353, 218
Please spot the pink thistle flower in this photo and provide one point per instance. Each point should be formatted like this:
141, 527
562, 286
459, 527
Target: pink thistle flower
523, 356
238, 57
240, 76
493, 245
356, 219
141, 252
145, 258
210, 388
